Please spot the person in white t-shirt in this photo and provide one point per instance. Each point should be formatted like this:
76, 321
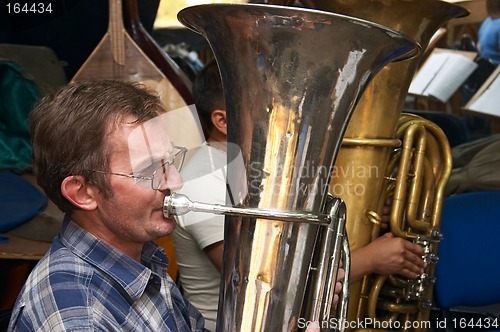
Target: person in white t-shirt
198, 238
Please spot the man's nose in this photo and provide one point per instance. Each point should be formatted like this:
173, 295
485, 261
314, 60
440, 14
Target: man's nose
173, 179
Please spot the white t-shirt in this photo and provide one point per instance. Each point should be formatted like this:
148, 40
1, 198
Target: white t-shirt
204, 179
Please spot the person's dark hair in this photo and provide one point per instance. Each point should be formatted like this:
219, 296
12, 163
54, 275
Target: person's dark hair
208, 93
493, 8
69, 130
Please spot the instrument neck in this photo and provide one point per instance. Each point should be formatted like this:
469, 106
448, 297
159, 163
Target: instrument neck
154, 52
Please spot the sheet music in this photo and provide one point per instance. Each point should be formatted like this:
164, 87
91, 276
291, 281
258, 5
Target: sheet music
441, 75
427, 73
489, 101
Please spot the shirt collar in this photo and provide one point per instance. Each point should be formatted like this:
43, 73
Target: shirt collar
128, 273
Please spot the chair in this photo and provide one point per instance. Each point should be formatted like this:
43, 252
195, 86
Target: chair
468, 273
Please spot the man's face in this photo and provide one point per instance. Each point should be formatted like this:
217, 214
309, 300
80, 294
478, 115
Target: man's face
135, 211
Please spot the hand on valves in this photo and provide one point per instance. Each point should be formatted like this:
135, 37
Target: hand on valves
387, 255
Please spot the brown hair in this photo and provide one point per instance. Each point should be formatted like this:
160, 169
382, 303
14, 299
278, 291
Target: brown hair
69, 129
493, 8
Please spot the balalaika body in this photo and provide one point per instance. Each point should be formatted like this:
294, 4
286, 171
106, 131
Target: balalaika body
291, 79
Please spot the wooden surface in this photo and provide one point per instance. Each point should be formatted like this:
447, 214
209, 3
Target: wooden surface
21, 248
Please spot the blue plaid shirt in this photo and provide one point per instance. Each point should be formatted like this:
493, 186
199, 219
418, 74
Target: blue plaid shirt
82, 284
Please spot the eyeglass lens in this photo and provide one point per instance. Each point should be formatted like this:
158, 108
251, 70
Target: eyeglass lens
160, 176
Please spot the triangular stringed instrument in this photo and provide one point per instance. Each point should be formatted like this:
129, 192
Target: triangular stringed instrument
117, 56
160, 58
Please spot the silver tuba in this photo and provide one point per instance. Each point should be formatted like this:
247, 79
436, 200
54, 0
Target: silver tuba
291, 79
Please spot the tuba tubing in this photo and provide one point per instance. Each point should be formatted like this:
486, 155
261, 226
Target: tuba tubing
177, 204
333, 247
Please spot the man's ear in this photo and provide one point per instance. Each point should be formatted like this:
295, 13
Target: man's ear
218, 118
79, 193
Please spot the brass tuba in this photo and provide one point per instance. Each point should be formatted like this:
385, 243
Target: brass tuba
418, 173
364, 163
291, 79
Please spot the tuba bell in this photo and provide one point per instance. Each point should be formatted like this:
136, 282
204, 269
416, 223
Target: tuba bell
370, 154
291, 78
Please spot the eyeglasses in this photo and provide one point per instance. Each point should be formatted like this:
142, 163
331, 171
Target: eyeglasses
158, 170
